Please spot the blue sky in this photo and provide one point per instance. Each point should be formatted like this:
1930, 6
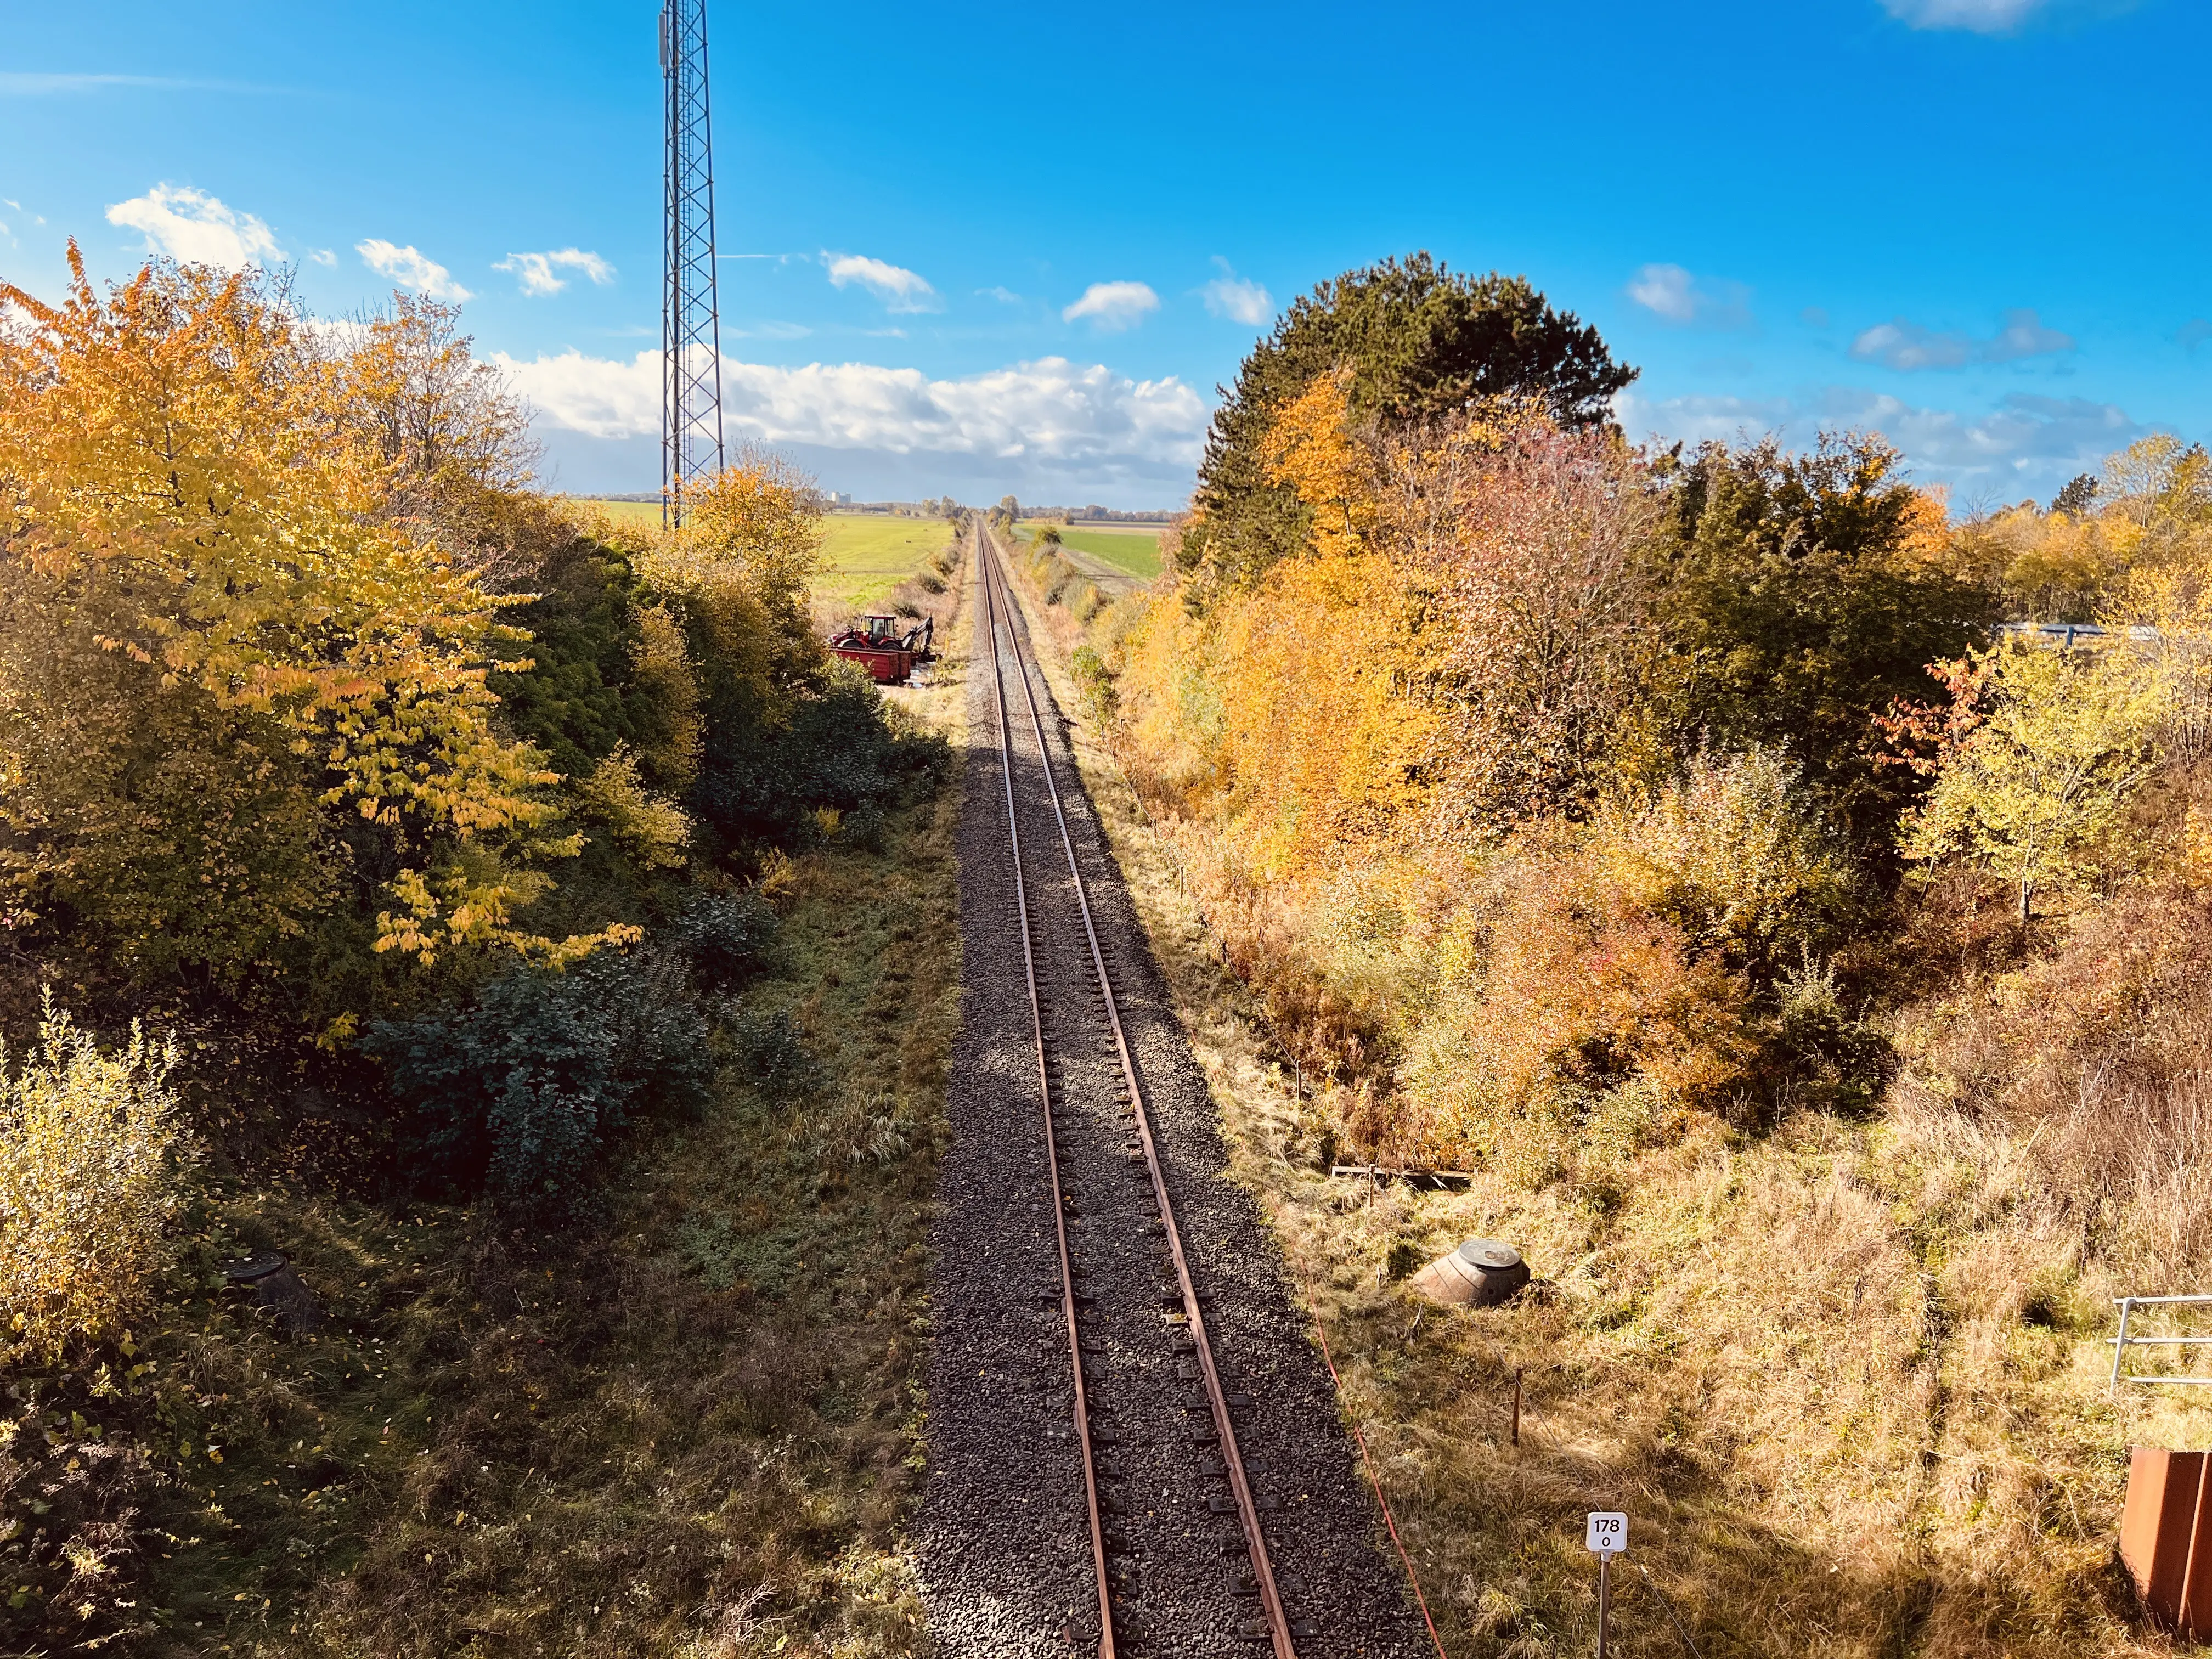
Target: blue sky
1015, 248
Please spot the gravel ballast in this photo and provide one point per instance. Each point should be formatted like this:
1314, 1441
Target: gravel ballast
1004, 1543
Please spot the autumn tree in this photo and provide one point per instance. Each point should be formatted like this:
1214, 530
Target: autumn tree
2050, 566
1531, 545
1418, 340
741, 567
1313, 450
217, 631
453, 439
1800, 596
2034, 758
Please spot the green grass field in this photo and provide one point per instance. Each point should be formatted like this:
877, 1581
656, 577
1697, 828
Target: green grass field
863, 557
1134, 552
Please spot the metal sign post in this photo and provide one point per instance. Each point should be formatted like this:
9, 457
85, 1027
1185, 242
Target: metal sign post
1605, 1534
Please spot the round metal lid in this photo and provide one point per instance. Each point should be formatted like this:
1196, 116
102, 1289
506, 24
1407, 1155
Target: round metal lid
259, 1265
1490, 1254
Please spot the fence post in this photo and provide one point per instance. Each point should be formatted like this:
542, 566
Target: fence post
2120, 1347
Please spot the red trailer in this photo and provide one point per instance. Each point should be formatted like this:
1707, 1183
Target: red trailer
887, 647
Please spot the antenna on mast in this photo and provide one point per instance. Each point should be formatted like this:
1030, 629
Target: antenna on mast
690, 328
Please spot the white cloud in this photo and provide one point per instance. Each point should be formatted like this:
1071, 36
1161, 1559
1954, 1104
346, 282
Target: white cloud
1238, 298
1699, 419
194, 227
2024, 336
1982, 16
2025, 445
325, 257
1664, 289
601, 397
1004, 296
1113, 306
409, 268
899, 289
536, 269
1672, 293
1903, 344
1050, 411
33, 82
1906, 345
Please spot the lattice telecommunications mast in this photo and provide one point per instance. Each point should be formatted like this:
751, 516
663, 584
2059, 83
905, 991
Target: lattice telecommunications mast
690, 329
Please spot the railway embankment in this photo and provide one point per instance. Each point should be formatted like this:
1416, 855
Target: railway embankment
1814, 1360
680, 1415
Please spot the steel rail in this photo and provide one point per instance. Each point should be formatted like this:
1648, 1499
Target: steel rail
1106, 1650
1270, 1604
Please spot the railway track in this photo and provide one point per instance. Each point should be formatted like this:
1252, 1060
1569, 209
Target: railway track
1128, 1620
1134, 1450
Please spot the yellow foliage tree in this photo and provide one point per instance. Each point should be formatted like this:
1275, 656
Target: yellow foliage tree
763, 515
2148, 520
2041, 750
1312, 449
740, 573
1322, 751
183, 489
1290, 697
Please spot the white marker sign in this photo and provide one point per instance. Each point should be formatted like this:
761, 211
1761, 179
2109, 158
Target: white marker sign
1607, 1533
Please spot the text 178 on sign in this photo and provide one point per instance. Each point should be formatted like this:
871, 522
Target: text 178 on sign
1607, 1533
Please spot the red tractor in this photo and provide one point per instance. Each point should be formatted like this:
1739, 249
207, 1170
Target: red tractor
887, 647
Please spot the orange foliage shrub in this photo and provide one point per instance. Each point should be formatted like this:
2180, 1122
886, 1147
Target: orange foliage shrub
1586, 1017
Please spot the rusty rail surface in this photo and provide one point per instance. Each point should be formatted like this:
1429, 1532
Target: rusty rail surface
999, 612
